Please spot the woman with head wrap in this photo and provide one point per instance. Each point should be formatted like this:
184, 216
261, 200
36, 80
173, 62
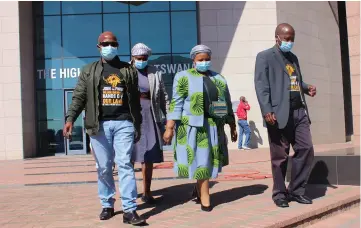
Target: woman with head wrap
199, 109
154, 102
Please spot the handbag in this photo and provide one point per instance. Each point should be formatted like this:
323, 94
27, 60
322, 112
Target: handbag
216, 109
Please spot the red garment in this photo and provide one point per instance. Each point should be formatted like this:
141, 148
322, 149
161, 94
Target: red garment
242, 110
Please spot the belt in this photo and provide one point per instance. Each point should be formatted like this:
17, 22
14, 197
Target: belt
145, 95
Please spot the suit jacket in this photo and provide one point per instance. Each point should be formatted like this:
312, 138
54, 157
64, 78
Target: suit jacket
272, 83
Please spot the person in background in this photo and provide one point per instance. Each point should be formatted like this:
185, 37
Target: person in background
154, 102
108, 90
281, 93
199, 109
242, 109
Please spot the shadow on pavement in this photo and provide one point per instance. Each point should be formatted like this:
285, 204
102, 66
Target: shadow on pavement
180, 194
171, 197
234, 194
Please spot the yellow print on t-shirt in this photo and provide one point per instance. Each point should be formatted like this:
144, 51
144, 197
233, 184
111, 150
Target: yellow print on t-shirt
112, 96
294, 85
112, 80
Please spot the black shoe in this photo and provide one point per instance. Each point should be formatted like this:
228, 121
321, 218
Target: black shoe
195, 194
148, 200
106, 213
207, 209
300, 199
133, 218
283, 203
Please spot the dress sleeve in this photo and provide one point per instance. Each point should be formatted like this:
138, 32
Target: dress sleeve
180, 92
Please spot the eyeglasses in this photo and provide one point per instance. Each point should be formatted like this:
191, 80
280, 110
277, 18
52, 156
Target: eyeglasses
106, 44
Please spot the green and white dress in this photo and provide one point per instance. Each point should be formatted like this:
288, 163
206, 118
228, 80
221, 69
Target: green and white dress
200, 150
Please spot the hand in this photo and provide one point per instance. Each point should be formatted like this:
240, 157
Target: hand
68, 129
312, 90
168, 136
234, 133
270, 118
137, 136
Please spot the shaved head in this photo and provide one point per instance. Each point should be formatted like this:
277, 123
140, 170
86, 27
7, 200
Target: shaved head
107, 36
284, 29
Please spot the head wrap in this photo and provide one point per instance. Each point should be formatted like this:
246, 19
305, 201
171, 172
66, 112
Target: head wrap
141, 49
200, 49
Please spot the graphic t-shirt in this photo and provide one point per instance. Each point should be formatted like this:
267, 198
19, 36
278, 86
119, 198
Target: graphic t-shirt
295, 96
113, 95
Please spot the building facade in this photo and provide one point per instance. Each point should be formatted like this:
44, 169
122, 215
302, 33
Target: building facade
44, 45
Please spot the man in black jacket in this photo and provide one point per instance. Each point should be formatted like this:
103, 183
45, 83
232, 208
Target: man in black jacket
280, 92
108, 90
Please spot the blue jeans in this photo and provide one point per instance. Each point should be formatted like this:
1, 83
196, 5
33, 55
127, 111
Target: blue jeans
244, 129
114, 143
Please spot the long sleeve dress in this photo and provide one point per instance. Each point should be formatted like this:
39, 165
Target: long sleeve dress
200, 150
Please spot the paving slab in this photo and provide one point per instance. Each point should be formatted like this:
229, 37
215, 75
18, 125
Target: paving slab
62, 192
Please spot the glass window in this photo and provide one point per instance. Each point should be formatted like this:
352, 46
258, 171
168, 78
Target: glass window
177, 5
184, 31
71, 70
47, 74
51, 138
80, 35
125, 58
48, 37
50, 104
148, 6
47, 8
152, 29
115, 7
119, 25
78, 7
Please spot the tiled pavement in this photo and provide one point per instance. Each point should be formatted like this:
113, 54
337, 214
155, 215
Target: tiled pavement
61, 192
347, 219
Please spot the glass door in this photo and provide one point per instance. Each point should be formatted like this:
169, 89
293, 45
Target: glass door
77, 143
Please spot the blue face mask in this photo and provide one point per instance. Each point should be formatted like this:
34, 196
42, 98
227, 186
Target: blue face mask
286, 46
140, 64
203, 66
109, 52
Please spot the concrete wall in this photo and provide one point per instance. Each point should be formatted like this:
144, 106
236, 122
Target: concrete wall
353, 29
13, 87
237, 31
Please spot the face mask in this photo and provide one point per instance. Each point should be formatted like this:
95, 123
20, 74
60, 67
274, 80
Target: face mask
140, 64
286, 46
109, 52
203, 66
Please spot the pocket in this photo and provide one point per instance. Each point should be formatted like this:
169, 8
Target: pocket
274, 105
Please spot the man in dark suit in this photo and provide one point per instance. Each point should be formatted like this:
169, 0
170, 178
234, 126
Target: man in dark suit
280, 92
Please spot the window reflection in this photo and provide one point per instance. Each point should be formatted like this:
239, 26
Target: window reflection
78, 7
152, 29
48, 37
182, 26
47, 8
186, 5
118, 24
51, 138
47, 74
50, 104
80, 35
114, 7
148, 6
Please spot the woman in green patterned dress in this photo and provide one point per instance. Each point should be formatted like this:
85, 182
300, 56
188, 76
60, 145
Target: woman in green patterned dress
199, 109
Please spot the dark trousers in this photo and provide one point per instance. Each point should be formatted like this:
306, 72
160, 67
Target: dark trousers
296, 133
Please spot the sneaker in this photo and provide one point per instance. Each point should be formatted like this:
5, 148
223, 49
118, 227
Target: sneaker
246, 148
